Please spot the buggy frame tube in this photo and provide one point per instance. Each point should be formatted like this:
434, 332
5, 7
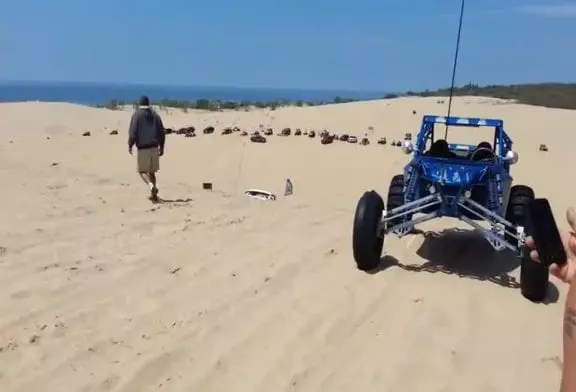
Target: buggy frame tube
415, 210
406, 207
488, 233
420, 219
491, 223
496, 217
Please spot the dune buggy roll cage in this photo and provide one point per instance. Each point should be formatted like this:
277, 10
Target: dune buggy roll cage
459, 204
501, 142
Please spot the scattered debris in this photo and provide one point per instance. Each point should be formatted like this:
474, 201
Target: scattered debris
186, 131
543, 147
288, 188
113, 132
175, 270
327, 138
86, 134
257, 138
11, 346
555, 360
260, 194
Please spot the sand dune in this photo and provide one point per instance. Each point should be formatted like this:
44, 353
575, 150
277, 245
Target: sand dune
213, 291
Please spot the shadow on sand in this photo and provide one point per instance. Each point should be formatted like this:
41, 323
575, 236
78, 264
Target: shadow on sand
467, 254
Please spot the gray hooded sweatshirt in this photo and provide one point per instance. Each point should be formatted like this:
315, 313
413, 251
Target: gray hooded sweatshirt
146, 129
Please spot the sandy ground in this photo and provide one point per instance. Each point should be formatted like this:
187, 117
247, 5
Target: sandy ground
214, 291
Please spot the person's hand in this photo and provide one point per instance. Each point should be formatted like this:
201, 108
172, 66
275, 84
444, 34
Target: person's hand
566, 273
130, 150
161, 152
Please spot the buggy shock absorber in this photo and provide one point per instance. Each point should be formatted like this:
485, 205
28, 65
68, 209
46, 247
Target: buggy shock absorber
493, 192
411, 178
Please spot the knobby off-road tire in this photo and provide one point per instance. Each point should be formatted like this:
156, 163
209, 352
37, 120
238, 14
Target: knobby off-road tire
533, 276
366, 242
395, 197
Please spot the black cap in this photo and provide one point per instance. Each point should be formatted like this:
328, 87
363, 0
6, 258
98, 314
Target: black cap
144, 101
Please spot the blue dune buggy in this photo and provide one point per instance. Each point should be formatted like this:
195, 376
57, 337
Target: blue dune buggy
468, 182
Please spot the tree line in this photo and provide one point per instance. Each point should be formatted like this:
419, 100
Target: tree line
553, 95
216, 104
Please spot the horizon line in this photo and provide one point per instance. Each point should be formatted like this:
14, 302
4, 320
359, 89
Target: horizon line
293, 89
172, 85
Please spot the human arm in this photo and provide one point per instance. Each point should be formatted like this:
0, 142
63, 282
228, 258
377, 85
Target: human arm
132, 132
569, 371
160, 134
566, 273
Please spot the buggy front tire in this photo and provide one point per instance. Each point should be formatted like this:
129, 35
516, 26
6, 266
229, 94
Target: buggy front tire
395, 197
518, 206
534, 276
367, 242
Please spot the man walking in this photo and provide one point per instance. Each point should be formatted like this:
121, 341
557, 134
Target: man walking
147, 133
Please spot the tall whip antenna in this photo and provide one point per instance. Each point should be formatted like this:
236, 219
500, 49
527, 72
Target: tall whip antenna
454, 67
240, 165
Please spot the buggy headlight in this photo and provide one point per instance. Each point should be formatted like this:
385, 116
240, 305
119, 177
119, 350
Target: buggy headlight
432, 189
407, 147
512, 157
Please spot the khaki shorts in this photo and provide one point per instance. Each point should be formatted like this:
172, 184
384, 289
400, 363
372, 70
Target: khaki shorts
148, 160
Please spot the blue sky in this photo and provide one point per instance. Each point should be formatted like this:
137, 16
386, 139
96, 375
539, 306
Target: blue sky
387, 45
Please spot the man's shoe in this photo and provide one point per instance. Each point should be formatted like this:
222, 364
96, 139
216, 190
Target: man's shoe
154, 193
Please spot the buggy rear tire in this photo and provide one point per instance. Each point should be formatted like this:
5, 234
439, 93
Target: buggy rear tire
534, 276
367, 243
395, 198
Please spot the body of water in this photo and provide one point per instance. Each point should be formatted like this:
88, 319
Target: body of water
97, 94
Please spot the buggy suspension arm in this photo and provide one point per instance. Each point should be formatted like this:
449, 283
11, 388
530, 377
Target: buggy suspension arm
509, 228
411, 207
